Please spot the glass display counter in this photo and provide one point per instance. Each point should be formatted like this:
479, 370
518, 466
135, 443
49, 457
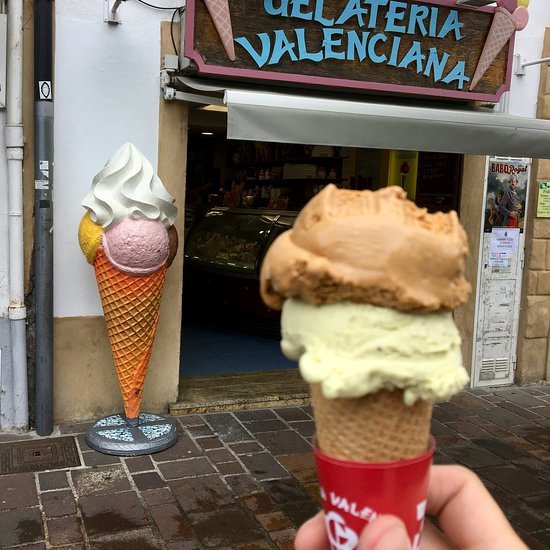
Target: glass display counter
233, 241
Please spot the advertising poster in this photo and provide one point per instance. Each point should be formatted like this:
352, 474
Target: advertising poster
404, 171
543, 203
507, 182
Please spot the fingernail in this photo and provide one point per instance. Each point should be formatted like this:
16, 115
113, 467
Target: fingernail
394, 538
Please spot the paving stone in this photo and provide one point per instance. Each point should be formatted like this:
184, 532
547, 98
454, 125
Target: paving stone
228, 468
58, 503
474, 456
81, 441
218, 456
263, 466
20, 526
183, 448
255, 415
274, 521
300, 512
201, 494
455, 409
531, 414
211, 442
190, 420
284, 539
300, 465
536, 434
450, 440
501, 417
543, 411
242, 484
499, 447
148, 480
227, 526
17, 491
93, 458
515, 480
152, 497
312, 489
258, 426
284, 491
227, 427
139, 464
537, 467
143, 539
519, 397
293, 414
49, 481
182, 545
466, 400
200, 431
305, 429
246, 448
284, 442
437, 428
256, 545
75, 428
103, 514
108, 479
467, 429
538, 502
62, 531
260, 503
170, 522
529, 520
186, 468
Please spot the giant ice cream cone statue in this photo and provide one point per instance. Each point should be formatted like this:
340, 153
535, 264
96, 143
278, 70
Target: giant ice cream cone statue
221, 17
367, 282
129, 237
503, 27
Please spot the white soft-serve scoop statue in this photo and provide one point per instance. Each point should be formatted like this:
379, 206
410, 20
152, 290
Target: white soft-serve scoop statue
128, 235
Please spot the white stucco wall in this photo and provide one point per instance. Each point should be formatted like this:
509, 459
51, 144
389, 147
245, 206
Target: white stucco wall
106, 93
524, 89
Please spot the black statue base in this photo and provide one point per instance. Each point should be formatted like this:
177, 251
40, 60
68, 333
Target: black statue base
114, 435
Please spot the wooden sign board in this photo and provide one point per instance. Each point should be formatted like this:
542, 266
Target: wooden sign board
429, 48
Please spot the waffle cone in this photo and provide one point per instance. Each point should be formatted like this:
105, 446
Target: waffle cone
219, 12
131, 307
502, 29
378, 427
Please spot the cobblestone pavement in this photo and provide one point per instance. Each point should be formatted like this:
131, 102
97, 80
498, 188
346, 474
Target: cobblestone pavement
246, 480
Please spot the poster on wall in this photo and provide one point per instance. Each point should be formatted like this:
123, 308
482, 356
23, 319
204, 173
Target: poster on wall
543, 202
507, 182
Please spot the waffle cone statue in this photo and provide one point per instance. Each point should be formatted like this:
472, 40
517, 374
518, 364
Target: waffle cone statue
367, 282
129, 237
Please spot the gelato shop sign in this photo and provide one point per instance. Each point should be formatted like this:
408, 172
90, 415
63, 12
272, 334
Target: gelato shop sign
428, 48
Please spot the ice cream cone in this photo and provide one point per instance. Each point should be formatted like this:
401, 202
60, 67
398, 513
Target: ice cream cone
219, 12
502, 29
377, 427
131, 307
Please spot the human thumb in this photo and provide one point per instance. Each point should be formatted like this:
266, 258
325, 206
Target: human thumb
384, 533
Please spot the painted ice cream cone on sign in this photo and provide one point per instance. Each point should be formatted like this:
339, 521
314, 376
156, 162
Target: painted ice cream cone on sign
503, 27
128, 235
221, 17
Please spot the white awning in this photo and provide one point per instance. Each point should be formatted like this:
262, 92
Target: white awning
288, 118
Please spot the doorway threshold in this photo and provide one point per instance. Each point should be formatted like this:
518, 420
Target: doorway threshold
241, 391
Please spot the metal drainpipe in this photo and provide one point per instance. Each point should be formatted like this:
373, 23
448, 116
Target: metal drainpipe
14, 152
43, 215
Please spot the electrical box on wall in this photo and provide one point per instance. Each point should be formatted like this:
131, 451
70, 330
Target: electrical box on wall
3, 58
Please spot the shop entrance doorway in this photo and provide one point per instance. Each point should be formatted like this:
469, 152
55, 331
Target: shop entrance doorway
239, 197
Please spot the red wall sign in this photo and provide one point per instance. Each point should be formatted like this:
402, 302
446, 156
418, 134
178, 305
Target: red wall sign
432, 48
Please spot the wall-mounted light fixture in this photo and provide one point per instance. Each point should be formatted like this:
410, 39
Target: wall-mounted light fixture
110, 14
